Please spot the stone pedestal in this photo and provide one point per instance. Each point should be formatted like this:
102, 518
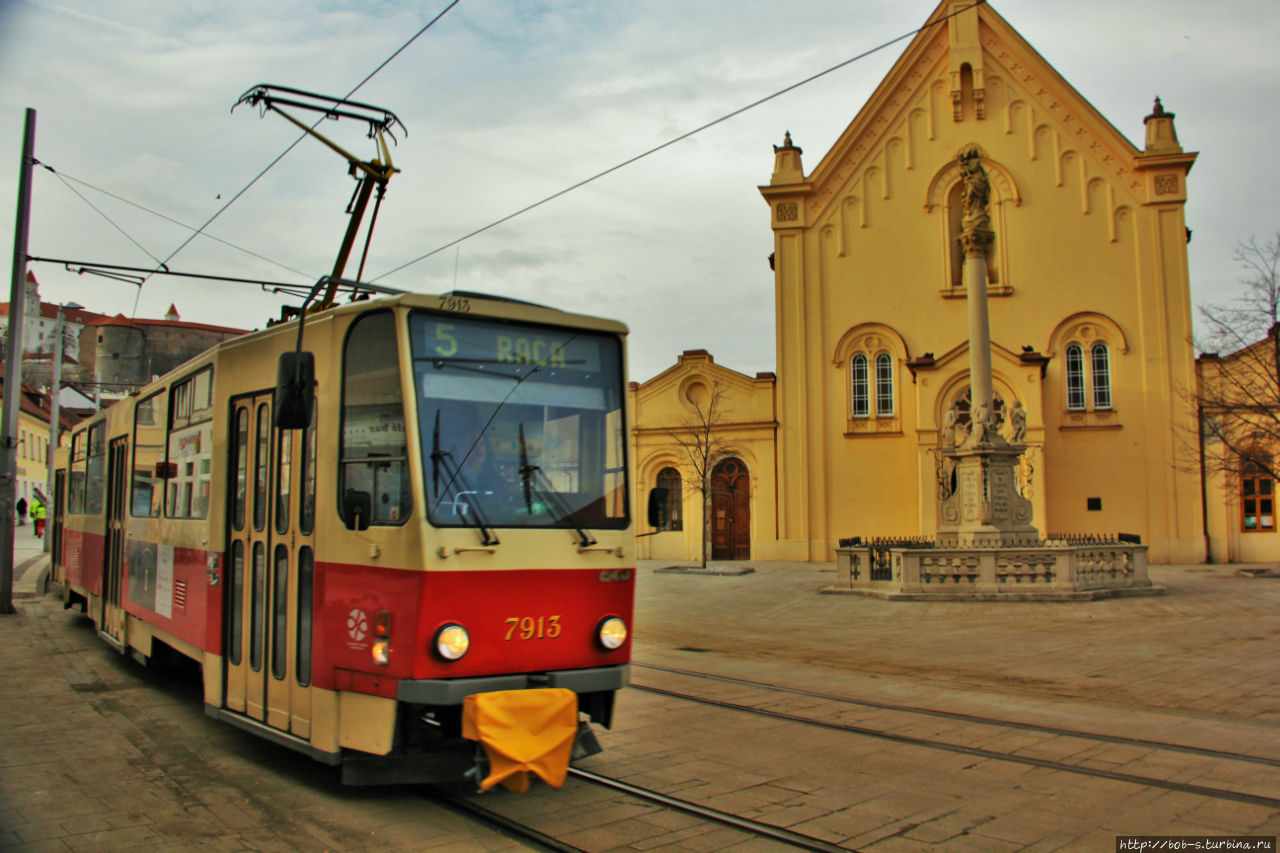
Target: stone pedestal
986, 510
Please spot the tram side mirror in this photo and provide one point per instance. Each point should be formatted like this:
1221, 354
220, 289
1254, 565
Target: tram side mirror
357, 507
659, 504
295, 384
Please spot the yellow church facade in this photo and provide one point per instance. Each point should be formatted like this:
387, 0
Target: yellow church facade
1089, 307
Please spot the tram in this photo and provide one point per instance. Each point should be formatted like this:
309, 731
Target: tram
417, 562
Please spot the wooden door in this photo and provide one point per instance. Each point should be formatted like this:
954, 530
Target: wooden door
112, 622
730, 511
248, 545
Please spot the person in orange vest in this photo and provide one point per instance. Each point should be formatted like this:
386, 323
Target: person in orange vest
37, 515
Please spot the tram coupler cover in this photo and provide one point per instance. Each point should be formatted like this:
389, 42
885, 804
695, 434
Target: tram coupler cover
523, 732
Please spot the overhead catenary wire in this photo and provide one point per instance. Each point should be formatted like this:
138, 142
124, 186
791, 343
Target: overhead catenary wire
68, 179
670, 142
291, 146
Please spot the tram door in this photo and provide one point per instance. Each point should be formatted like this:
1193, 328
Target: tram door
248, 539
112, 622
270, 514
59, 513
289, 576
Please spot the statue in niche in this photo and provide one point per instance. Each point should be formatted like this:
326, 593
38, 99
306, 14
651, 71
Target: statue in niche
975, 192
1018, 420
949, 421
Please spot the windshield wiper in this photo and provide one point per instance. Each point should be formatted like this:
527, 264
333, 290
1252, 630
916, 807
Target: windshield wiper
529, 477
442, 460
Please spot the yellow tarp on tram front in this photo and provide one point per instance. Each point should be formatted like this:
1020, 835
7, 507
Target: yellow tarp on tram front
523, 731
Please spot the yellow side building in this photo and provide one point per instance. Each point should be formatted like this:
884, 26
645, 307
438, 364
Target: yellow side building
1090, 313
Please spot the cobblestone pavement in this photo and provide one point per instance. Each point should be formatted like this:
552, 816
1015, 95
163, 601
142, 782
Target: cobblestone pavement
97, 753
100, 754
1199, 666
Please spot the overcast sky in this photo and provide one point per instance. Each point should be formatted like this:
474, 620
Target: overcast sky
509, 101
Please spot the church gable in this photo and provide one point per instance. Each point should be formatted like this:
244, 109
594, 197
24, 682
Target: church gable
970, 77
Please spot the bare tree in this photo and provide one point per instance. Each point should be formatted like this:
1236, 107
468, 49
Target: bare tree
703, 449
1239, 390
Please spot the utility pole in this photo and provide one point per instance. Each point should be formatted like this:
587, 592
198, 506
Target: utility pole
50, 494
13, 365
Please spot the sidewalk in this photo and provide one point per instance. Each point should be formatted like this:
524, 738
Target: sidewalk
30, 562
98, 753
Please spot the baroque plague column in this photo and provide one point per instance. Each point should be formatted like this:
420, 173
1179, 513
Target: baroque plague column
985, 508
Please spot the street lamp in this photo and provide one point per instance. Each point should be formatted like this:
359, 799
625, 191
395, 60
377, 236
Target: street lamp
55, 392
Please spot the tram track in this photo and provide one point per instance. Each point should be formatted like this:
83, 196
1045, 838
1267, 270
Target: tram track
968, 718
543, 841
883, 733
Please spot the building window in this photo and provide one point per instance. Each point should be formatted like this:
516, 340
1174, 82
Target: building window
669, 480
1088, 377
1257, 499
860, 386
1075, 378
884, 384
1101, 363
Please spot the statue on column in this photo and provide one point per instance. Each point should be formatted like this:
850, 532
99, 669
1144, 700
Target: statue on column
976, 190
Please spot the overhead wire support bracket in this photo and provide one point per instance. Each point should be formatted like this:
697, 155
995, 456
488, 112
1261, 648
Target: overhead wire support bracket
368, 173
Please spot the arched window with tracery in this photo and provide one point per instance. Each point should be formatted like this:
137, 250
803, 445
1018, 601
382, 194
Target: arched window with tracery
859, 386
884, 385
1101, 375
1075, 378
669, 480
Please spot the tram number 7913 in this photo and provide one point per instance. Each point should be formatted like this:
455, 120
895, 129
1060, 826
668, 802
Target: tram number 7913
533, 628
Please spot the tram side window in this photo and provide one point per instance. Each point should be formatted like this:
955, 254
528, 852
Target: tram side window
374, 451
75, 487
148, 457
95, 470
190, 446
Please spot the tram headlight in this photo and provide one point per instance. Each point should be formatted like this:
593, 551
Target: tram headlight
611, 632
452, 641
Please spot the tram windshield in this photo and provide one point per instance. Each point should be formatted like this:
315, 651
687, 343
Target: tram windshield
521, 425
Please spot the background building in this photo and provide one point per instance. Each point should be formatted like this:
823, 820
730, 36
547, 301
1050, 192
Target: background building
1088, 287
106, 357
694, 418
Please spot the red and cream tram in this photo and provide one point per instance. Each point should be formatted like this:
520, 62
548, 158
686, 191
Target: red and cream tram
432, 574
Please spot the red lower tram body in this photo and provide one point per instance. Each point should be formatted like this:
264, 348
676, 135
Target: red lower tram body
535, 629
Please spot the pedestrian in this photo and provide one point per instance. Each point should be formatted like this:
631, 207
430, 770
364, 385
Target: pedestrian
22, 511
37, 516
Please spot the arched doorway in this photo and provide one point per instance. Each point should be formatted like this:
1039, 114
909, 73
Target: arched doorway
730, 511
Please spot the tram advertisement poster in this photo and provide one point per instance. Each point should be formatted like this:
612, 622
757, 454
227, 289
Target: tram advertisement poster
151, 577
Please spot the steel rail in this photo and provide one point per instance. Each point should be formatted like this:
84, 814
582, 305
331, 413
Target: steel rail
500, 822
1124, 740
764, 830
977, 752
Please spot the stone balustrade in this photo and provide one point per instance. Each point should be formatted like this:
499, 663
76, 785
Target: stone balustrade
1054, 571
